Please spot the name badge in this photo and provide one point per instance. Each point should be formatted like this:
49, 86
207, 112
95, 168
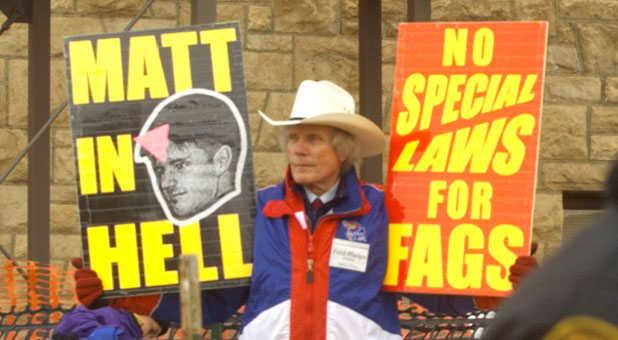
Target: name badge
349, 255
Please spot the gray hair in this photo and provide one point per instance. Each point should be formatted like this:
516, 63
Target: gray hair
346, 145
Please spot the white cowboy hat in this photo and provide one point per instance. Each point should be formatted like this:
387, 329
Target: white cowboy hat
325, 103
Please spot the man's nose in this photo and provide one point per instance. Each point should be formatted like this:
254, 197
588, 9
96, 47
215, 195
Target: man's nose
298, 147
167, 180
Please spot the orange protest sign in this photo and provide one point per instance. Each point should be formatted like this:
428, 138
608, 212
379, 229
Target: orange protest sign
463, 154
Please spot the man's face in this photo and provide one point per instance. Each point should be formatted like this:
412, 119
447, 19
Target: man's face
313, 160
188, 180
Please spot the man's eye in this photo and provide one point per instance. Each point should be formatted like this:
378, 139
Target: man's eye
292, 138
159, 170
180, 165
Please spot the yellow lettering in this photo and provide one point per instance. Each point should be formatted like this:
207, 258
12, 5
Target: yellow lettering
426, 260
231, 248
435, 197
455, 46
465, 270
526, 93
396, 252
508, 92
436, 155
457, 203
453, 96
191, 243
145, 69
483, 50
406, 120
471, 106
492, 90
86, 165
179, 43
481, 200
155, 252
102, 255
434, 96
500, 237
118, 165
98, 75
477, 149
508, 163
218, 40
403, 161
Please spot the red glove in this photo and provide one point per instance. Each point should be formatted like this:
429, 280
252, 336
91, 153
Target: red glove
523, 266
88, 286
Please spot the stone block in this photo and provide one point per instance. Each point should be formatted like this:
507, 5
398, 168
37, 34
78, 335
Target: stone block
62, 6
12, 141
390, 28
483, 10
18, 93
563, 59
61, 138
587, 9
65, 26
269, 168
572, 90
269, 71
394, 10
349, 8
63, 166
389, 50
118, 24
21, 246
8, 242
388, 77
109, 7
13, 212
387, 108
162, 10
334, 59
573, 176
278, 107
349, 27
599, 43
563, 132
603, 147
14, 41
58, 93
547, 223
60, 193
611, 90
537, 10
254, 125
226, 12
64, 218
256, 100
269, 42
65, 246
565, 34
184, 14
315, 16
260, 18
604, 119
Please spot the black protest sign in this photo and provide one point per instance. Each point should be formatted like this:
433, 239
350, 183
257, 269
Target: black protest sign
163, 161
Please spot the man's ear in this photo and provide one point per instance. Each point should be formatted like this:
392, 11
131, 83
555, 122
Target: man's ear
222, 159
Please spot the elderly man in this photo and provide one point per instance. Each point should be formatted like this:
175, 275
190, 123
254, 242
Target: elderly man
320, 244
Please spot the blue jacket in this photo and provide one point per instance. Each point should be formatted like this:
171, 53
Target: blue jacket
295, 292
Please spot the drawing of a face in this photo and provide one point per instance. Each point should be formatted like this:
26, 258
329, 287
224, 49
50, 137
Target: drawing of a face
193, 145
188, 180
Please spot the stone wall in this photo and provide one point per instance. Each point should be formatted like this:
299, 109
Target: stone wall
286, 41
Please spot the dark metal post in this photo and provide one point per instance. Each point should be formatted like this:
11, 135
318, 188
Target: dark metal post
203, 11
370, 69
38, 114
419, 10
